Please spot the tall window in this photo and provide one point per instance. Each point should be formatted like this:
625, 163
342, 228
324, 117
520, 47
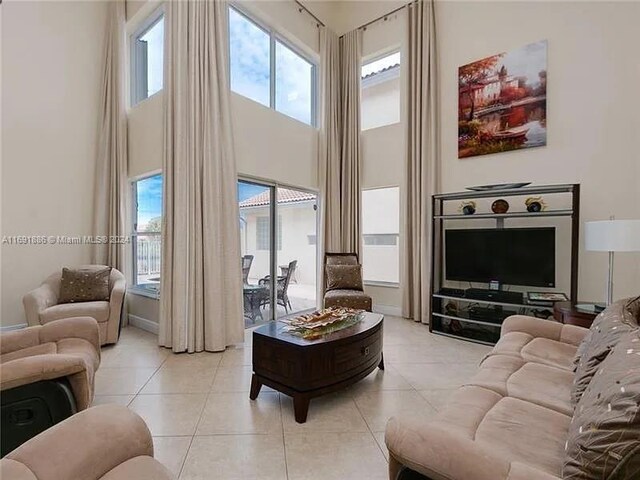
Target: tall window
147, 229
147, 58
380, 235
380, 84
267, 70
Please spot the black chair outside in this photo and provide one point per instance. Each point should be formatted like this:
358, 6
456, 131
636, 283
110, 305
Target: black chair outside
247, 260
283, 286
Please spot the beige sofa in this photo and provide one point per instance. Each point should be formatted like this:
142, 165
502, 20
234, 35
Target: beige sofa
108, 442
41, 305
513, 419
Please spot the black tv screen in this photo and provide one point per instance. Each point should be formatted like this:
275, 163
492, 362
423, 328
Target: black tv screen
514, 256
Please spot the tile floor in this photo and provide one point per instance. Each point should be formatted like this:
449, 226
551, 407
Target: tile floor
204, 425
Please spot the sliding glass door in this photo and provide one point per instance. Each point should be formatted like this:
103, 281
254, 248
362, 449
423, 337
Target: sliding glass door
278, 245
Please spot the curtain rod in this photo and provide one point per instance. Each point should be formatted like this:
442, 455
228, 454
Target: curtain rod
388, 14
301, 8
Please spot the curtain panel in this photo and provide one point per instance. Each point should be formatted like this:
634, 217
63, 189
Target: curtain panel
111, 162
422, 157
201, 286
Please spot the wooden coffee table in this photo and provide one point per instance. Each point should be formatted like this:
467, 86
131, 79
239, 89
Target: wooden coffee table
304, 369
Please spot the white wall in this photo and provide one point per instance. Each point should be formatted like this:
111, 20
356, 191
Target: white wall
52, 58
592, 100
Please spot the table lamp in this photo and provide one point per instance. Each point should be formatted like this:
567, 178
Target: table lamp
612, 236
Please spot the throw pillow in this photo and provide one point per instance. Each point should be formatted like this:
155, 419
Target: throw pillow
604, 435
84, 285
344, 277
607, 329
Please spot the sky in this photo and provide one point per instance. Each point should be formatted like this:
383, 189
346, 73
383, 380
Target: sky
149, 199
248, 190
250, 59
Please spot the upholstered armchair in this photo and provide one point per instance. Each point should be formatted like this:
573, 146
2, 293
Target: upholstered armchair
344, 289
108, 442
46, 375
41, 305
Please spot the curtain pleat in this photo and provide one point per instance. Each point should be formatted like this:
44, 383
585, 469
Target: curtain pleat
422, 157
201, 287
350, 195
111, 161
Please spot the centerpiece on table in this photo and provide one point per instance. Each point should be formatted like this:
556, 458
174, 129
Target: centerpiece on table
318, 324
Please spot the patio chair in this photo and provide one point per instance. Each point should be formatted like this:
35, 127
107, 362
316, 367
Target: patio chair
283, 286
247, 260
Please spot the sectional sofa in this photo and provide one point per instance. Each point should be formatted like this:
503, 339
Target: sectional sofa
550, 401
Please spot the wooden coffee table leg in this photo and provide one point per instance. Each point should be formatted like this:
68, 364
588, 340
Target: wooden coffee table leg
256, 385
381, 364
301, 407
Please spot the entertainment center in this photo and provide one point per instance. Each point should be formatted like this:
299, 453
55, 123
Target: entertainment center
523, 256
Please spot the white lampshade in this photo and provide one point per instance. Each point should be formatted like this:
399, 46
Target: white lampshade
612, 236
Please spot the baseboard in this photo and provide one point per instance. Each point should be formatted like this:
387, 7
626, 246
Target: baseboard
388, 310
143, 324
8, 328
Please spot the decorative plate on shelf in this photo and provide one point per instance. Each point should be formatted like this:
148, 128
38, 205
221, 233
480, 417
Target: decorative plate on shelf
498, 186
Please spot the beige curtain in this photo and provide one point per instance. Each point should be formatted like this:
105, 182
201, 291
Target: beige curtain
339, 154
329, 144
350, 195
201, 290
422, 171
111, 162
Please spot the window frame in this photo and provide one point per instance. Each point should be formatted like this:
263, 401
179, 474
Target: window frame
398, 245
133, 188
275, 36
135, 62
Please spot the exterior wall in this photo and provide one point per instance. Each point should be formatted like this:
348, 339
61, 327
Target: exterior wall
380, 104
298, 222
52, 54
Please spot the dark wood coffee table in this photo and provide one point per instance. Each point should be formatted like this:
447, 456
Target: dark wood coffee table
304, 369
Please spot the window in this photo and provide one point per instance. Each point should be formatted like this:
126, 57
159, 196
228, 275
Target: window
294, 77
380, 84
380, 235
262, 233
147, 58
147, 227
267, 70
250, 55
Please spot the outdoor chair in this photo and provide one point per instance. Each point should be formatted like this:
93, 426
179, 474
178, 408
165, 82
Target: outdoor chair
283, 286
247, 260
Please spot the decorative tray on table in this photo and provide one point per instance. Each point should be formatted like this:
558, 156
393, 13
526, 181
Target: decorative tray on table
318, 324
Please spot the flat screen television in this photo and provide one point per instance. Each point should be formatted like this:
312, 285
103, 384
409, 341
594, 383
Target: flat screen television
513, 256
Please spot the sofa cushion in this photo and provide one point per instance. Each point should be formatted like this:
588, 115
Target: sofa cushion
348, 277
546, 351
537, 383
549, 352
605, 332
349, 259
97, 310
524, 432
604, 435
84, 285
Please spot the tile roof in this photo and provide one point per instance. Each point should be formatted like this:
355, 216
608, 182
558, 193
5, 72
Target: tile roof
284, 196
378, 72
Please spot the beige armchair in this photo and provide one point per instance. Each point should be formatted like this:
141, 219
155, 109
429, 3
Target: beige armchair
41, 305
108, 442
46, 375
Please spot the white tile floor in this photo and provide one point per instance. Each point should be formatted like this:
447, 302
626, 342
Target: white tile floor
204, 425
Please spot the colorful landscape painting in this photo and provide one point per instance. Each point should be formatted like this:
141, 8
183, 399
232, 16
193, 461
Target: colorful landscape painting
502, 102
